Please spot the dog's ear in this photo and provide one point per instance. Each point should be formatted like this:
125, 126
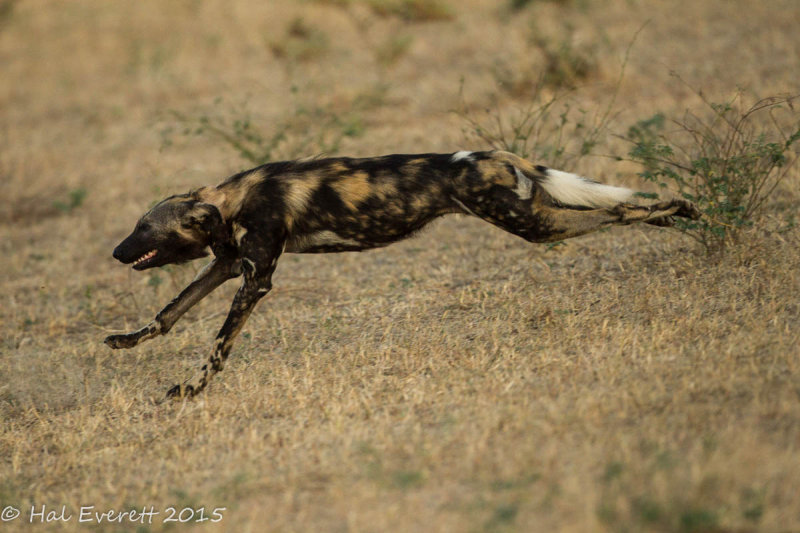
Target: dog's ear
208, 219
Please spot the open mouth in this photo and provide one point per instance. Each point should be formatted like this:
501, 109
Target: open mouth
145, 260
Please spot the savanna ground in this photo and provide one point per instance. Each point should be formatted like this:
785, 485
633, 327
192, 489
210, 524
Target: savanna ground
464, 380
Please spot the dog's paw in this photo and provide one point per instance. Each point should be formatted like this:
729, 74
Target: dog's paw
687, 209
180, 391
127, 340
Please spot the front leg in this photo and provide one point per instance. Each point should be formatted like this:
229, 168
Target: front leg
212, 276
258, 264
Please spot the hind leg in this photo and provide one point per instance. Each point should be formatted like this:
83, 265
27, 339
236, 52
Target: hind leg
537, 222
567, 223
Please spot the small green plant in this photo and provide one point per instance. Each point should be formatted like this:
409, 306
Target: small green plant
392, 49
727, 159
74, 200
517, 5
335, 3
503, 515
554, 59
412, 10
308, 131
549, 129
302, 42
154, 281
566, 63
6, 11
752, 501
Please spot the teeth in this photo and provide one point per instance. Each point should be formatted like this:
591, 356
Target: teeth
145, 257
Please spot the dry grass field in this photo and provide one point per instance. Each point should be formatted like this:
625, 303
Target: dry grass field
464, 380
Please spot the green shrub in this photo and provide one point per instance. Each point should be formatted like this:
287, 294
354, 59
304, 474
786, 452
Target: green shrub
566, 64
74, 200
308, 131
728, 159
550, 129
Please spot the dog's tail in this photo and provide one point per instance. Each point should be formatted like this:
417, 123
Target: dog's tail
569, 189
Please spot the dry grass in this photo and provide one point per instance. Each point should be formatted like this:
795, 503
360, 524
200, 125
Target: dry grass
461, 381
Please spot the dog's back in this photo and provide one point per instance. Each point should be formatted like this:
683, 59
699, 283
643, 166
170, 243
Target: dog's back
340, 204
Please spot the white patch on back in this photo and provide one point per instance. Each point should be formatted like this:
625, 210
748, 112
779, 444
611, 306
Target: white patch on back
524, 185
462, 155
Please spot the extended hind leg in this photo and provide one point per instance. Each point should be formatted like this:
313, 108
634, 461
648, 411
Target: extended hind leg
567, 223
537, 222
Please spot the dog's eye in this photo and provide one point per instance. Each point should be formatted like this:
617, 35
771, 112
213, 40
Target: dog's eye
144, 226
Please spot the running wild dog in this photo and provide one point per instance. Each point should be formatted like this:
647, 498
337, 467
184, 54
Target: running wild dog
343, 204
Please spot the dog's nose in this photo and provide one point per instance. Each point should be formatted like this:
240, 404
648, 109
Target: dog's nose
117, 253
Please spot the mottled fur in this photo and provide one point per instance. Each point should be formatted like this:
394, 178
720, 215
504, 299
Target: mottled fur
343, 204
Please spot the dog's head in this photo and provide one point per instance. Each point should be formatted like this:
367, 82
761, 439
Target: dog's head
176, 230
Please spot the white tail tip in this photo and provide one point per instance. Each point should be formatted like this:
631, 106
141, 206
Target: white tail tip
571, 189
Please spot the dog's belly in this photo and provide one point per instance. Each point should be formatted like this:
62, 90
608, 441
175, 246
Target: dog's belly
355, 236
325, 241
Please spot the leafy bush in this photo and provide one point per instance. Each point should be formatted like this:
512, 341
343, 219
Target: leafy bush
728, 159
309, 130
547, 130
550, 129
566, 64
74, 200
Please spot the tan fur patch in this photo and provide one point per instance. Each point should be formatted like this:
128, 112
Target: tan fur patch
384, 188
238, 233
185, 234
496, 172
298, 192
354, 189
515, 161
210, 195
412, 167
337, 167
228, 197
421, 201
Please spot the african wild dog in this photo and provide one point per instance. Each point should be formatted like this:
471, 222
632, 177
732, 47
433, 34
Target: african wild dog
343, 204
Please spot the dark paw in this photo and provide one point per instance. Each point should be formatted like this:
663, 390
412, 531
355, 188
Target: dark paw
687, 210
121, 341
678, 207
181, 391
